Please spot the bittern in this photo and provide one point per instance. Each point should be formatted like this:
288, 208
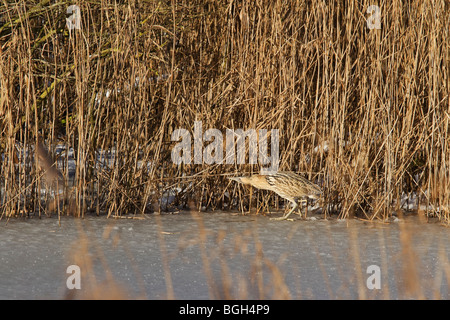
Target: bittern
287, 185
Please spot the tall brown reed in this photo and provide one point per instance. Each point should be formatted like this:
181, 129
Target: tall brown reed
364, 112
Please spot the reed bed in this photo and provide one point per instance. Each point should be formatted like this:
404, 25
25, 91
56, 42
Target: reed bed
363, 112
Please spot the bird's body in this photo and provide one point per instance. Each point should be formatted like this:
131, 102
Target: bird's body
287, 185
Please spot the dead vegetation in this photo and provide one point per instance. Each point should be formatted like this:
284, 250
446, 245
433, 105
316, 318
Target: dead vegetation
363, 112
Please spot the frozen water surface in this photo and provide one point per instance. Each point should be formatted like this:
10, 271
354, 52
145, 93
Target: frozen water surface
221, 255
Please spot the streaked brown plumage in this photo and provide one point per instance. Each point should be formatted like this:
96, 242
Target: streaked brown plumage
287, 185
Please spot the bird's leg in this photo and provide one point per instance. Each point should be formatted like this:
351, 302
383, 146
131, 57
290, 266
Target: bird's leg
288, 214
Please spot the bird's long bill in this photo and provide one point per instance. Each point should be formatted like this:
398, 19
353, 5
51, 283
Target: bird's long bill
237, 179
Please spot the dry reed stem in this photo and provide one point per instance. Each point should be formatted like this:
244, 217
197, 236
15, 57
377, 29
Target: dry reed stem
364, 112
